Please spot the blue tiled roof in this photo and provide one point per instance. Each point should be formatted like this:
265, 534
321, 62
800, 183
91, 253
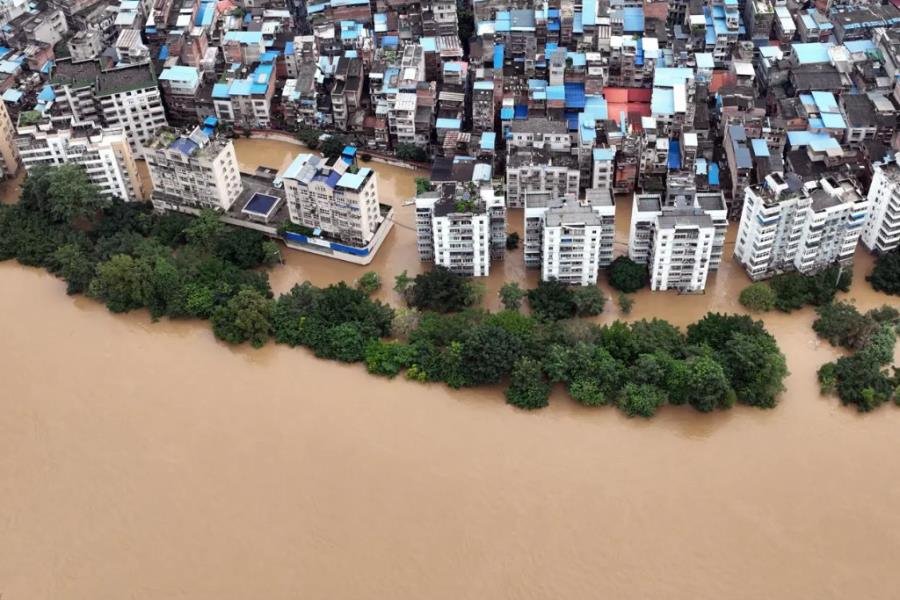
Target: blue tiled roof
444, 123
556, 92
507, 113
713, 176
604, 153
760, 147
353, 180
589, 12
574, 95
244, 37
260, 204
498, 56
633, 19
220, 91
488, 140
812, 53
674, 154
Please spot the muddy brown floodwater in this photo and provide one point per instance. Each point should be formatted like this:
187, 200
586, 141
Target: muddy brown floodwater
150, 461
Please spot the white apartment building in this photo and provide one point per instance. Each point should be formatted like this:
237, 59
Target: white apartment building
680, 243
881, 232
532, 171
126, 98
565, 241
246, 102
9, 154
805, 229
104, 153
402, 119
462, 227
325, 194
572, 250
192, 171
603, 168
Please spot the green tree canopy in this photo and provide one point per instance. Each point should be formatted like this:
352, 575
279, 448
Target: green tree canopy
247, 317
552, 301
627, 276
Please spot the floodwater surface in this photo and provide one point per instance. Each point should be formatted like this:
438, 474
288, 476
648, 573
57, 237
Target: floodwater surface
148, 461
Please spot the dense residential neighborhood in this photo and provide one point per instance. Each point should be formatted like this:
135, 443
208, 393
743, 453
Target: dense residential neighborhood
778, 117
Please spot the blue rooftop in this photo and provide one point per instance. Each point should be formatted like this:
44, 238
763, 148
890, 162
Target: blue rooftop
633, 18
713, 177
46, 94
574, 95
604, 153
812, 53
488, 140
244, 37
521, 112
674, 154
760, 147
498, 56
260, 204
353, 181
444, 123
671, 76
589, 12
507, 113
184, 145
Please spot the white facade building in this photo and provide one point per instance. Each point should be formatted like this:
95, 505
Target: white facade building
680, 243
461, 227
104, 153
569, 240
193, 171
882, 229
324, 194
9, 154
126, 98
806, 229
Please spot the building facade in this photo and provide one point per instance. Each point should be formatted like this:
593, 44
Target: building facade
882, 229
192, 171
680, 241
805, 229
462, 227
104, 154
326, 194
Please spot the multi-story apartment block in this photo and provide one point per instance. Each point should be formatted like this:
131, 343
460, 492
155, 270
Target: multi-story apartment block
9, 153
346, 95
127, 98
483, 109
603, 168
327, 194
192, 171
882, 230
104, 153
680, 239
567, 242
247, 101
185, 97
538, 171
40, 23
577, 240
802, 227
461, 226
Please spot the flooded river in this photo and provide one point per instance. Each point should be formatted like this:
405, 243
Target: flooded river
149, 461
